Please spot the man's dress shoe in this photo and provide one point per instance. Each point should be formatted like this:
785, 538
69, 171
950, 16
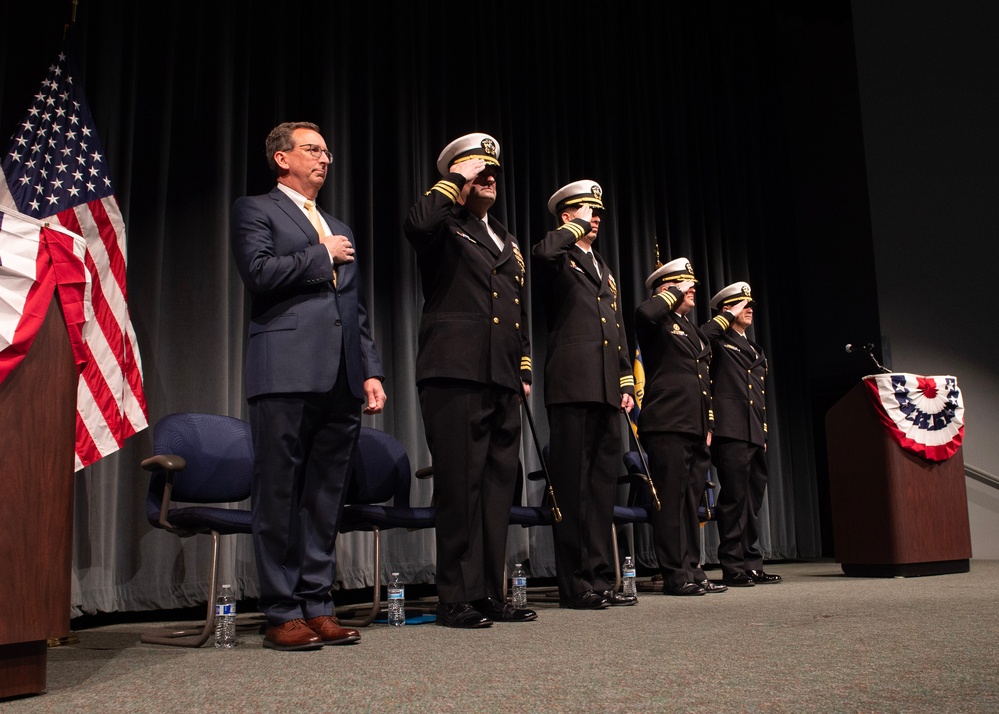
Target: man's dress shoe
460, 614
710, 587
588, 600
330, 632
761, 578
616, 598
739, 580
503, 611
292, 636
685, 589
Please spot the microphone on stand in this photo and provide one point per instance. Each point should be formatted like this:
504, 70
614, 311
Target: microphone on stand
867, 349
851, 348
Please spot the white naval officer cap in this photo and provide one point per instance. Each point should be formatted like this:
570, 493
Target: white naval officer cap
577, 193
470, 146
674, 271
732, 294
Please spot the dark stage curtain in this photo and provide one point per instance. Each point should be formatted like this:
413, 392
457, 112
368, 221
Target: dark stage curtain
692, 116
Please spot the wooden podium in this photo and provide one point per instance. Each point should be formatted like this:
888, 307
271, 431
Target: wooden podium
894, 513
37, 434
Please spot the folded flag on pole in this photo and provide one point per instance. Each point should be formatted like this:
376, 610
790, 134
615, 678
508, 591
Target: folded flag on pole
638, 369
55, 173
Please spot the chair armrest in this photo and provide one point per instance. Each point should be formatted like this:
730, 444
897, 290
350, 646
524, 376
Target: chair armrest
171, 463
164, 462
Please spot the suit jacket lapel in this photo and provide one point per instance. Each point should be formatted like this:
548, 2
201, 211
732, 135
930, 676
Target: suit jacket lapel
296, 214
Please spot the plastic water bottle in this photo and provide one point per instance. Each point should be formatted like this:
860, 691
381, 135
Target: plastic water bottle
518, 591
396, 602
225, 619
628, 577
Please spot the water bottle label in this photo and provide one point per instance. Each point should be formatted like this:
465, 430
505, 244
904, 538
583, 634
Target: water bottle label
520, 582
395, 595
629, 573
223, 610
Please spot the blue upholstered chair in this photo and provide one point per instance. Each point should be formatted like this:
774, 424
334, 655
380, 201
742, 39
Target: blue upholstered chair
382, 474
205, 462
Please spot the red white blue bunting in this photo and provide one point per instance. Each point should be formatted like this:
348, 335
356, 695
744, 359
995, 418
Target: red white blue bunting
925, 415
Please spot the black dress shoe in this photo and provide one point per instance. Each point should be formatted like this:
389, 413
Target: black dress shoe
616, 598
685, 589
761, 578
503, 611
460, 614
588, 600
710, 587
739, 580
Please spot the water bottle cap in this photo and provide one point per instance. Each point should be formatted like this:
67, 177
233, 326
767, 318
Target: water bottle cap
395, 573
226, 585
519, 565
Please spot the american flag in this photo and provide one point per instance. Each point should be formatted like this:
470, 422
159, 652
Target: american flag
56, 171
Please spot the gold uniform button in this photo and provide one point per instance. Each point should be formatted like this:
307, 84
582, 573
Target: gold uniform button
603, 319
495, 320
494, 272
750, 402
750, 386
704, 393
516, 325
495, 295
516, 301
598, 298
605, 343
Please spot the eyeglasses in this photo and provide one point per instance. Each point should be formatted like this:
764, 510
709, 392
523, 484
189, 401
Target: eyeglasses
316, 151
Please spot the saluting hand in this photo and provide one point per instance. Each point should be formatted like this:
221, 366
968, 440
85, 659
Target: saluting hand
737, 308
469, 169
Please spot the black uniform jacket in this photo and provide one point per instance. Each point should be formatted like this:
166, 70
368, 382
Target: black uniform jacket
588, 359
676, 356
474, 323
738, 371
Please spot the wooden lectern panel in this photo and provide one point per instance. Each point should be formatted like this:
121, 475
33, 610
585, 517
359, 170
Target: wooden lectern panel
37, 428
894, 513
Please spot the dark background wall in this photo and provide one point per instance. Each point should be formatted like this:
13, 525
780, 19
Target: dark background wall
927, 74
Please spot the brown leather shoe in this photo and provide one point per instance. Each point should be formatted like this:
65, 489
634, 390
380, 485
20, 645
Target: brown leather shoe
292, 636
329, 631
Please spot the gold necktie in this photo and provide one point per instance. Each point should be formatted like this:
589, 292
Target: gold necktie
310, 208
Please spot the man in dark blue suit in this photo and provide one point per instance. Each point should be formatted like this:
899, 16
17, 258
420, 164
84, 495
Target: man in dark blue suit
311, 367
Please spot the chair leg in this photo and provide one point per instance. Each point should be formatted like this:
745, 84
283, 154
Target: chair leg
376, 597
192, 636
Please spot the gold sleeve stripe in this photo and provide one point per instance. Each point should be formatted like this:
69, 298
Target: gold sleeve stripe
668, 297
628, 381
448, 188
765, 427
723, 321
574, 229
525, 363
711, 414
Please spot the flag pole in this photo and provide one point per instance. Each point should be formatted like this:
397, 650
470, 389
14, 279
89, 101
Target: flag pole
72, 18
